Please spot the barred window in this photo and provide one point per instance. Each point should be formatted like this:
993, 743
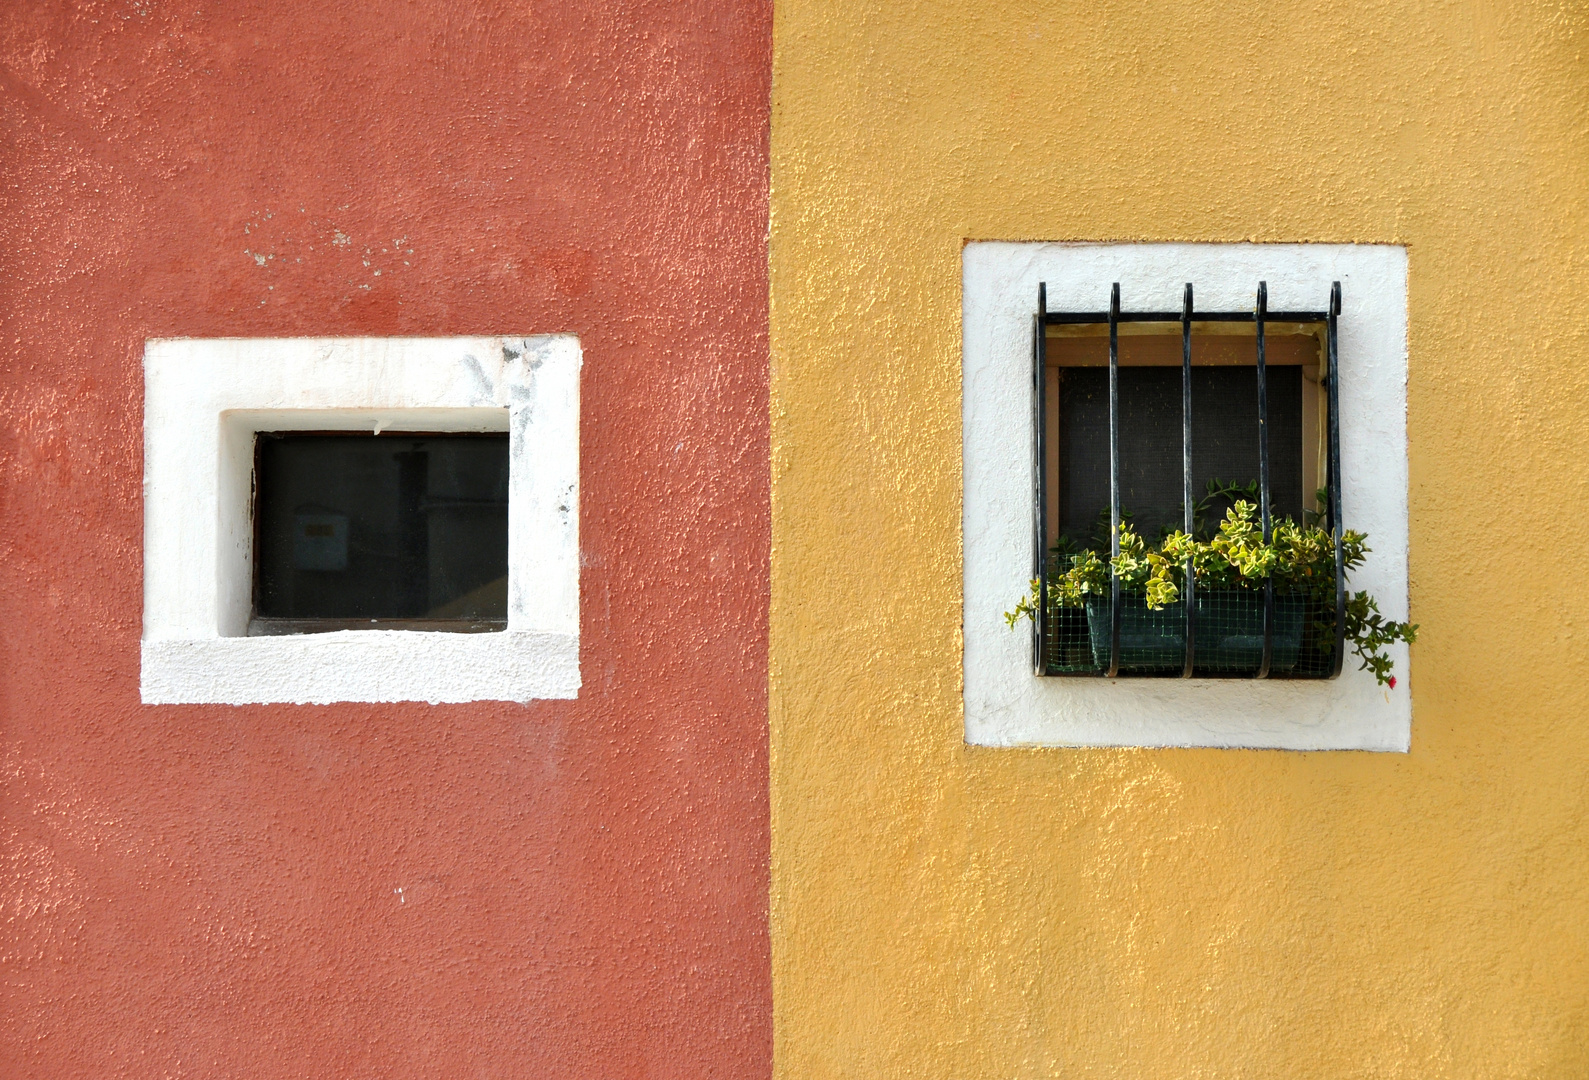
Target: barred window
1149, 423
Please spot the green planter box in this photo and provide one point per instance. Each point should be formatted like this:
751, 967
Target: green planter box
1229, 633
1151, 642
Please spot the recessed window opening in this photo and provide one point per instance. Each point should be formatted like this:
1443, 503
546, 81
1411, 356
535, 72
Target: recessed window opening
1224, 428
1152, 423
394, 531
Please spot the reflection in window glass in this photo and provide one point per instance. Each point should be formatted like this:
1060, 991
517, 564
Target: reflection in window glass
398, 527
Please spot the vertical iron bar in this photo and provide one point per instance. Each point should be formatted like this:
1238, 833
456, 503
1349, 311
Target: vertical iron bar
1188, 577
1337, 527
1263, 478
1114, 477
1040, 475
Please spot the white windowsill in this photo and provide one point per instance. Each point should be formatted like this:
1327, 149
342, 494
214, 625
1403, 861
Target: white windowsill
1005, 704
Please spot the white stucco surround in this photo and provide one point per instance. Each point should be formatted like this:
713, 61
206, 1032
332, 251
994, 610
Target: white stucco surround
203, 402
1005, 704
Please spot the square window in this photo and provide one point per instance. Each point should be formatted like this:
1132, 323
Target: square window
394, 531
1223, 705
316, 509
1170, 420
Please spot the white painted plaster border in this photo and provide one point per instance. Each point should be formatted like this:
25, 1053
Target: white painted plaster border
1005, 704
203, 402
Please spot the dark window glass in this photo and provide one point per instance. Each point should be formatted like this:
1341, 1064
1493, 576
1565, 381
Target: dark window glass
1224, 443
392, 529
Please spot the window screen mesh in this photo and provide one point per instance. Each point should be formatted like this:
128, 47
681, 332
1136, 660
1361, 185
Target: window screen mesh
1224, 443
1229, 636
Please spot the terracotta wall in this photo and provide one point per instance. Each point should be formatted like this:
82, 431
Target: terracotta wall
564, 889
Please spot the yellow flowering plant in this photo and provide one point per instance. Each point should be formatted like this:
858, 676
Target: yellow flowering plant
1300, 559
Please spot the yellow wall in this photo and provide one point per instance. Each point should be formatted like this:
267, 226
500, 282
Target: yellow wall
940, 911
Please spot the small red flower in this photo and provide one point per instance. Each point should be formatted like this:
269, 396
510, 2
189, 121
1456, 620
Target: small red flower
1393, 682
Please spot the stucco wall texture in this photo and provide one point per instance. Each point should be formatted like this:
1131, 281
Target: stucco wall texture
571, 888
939, 911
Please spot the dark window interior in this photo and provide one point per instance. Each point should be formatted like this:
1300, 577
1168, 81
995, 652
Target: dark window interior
1224, 444
395, 531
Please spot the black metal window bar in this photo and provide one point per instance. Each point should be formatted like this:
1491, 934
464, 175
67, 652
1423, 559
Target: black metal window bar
1107, 661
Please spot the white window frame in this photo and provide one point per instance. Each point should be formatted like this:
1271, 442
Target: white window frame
1005, 703
204, 400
